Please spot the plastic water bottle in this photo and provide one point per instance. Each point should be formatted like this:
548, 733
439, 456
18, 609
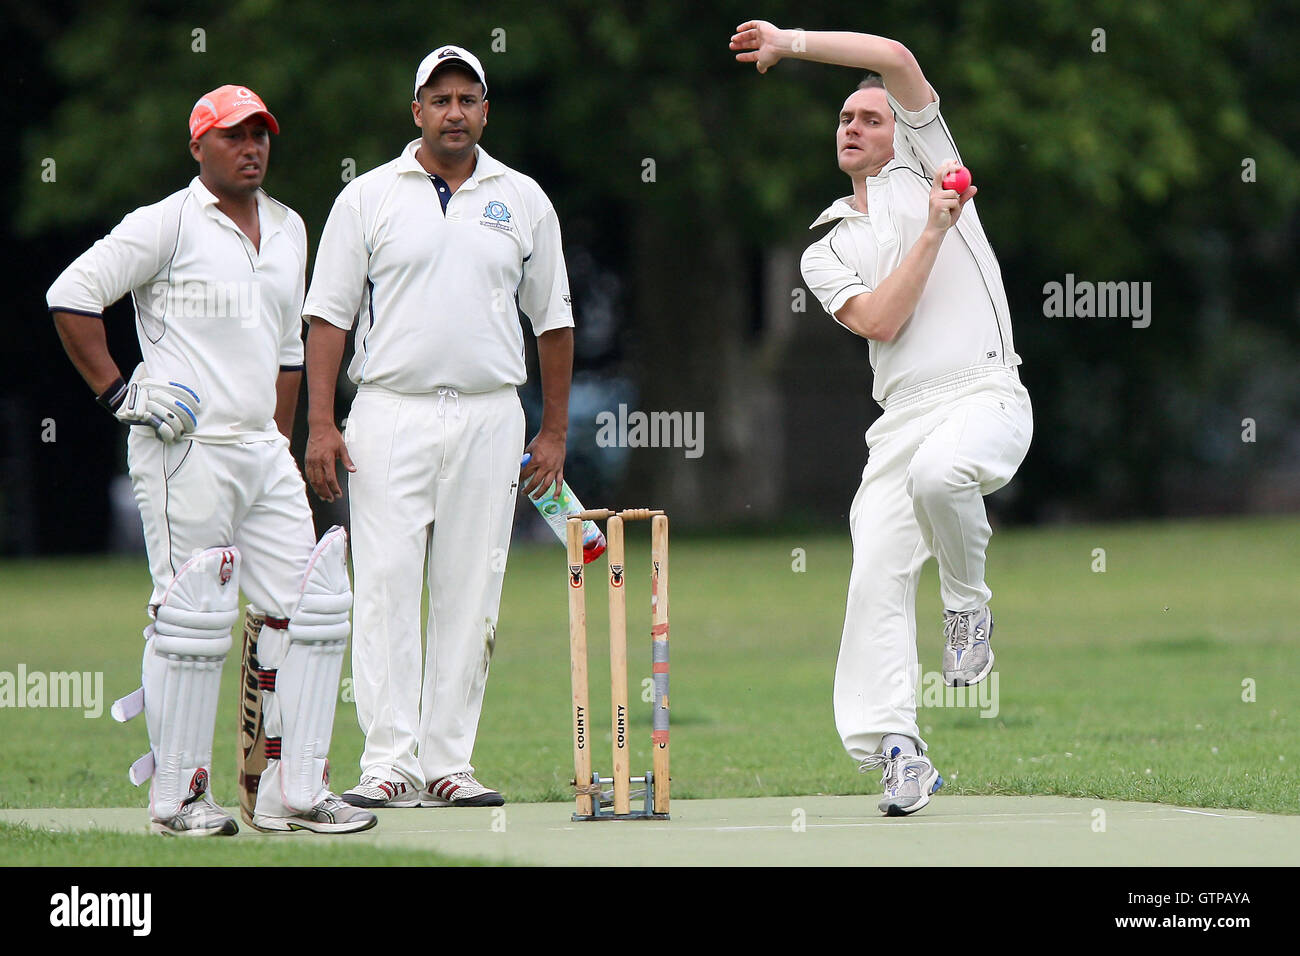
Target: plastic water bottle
557, 512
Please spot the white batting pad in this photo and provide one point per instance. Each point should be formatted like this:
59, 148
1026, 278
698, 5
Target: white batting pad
308, 658
185, 648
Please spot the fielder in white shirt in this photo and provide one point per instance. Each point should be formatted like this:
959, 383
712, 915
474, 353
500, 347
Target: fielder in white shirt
216, 272
433, 257
908, 267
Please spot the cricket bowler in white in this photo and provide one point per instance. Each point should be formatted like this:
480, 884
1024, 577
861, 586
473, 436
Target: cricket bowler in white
216, 272
433, 256
907, 266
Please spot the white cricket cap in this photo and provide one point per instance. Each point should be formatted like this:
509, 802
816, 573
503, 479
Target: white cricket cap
448, 54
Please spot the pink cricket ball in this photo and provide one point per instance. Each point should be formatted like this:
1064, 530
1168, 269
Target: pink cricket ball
958, 179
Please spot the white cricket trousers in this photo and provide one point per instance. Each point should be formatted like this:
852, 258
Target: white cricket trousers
433, 493
198, 495
932, 458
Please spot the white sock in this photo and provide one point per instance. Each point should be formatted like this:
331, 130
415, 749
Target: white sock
905, 745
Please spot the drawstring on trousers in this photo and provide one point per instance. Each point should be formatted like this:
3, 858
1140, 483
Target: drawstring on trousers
443, 392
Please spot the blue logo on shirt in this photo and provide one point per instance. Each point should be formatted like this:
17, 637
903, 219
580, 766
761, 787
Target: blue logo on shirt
497, 211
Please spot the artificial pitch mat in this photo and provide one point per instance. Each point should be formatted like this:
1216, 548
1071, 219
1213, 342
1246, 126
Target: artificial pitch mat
805, 831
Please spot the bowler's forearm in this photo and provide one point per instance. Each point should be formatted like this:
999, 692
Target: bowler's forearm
324, 354
863, 50
555, 359
894, 62
881, 314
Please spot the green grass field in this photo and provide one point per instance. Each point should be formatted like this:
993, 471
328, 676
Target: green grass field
1132, 684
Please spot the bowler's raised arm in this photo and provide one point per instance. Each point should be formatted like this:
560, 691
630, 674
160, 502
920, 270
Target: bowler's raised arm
765, 45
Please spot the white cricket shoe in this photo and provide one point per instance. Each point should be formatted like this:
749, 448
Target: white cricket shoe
460, 790
374, 792
967, 656
197, 817
331, 815
909, 780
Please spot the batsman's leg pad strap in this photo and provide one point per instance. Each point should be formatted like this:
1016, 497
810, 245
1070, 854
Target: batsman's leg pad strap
185, 649
272, 649
308, 662
142, 769
128, 707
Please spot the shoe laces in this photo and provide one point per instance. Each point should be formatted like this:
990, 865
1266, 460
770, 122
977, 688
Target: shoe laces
956, 629
197, 798
889, 766
200, 807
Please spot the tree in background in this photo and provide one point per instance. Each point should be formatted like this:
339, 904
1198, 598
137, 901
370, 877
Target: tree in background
1160, 151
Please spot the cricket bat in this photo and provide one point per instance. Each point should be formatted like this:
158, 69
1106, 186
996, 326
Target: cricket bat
251, 752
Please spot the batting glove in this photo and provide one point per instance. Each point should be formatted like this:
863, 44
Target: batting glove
169, 408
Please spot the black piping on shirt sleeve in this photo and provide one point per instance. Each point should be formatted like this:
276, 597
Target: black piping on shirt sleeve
64, 308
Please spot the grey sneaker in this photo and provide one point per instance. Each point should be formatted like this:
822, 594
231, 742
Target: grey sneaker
967, 657
331, 815
460, 790
909, 781
198, 817
374, 792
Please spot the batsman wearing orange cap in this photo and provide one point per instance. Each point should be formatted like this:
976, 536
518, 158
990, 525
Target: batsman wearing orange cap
216, 272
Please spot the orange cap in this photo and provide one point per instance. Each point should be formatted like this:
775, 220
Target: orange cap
228, 106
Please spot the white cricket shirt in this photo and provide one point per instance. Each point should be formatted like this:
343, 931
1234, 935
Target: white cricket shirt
212, 312
961, 324
433, 277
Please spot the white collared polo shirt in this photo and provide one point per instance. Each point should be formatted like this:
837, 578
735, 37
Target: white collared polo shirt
962, 323
435, 280
212, 311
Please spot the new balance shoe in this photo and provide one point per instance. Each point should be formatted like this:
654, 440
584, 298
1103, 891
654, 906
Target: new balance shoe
459, 790
197, 817
967, 657
331, 815
909, 780
374, 792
